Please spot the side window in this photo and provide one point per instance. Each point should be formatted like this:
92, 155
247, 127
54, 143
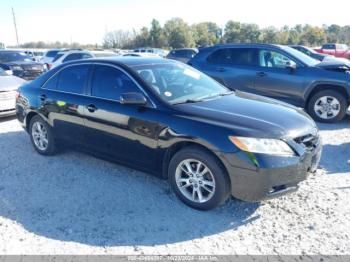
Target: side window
86, 56
52, 83
73, 79
76, 56
234, 56
268, 58
328, 46
109, 82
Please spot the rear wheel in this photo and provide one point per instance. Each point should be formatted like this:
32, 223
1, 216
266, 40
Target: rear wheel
327, 106
198, 179
42, 136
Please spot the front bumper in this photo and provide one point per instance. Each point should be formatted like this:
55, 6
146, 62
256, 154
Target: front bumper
275, 176
7, 103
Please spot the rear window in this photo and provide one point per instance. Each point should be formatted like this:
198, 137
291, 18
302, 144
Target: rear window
52, 53
328, 46
234, 56
57, 57
76, 56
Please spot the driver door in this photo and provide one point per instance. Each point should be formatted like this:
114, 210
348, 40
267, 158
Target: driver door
126, 133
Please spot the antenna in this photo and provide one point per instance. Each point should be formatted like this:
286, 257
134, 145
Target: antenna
14, 21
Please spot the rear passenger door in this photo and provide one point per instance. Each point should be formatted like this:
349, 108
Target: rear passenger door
233, 67
125, 133
63, 99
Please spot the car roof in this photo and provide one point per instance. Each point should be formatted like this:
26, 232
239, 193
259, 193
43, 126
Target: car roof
134, 61
234, 45
68, 52
11, 51
127, 61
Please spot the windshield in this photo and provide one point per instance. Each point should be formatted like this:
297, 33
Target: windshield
178, 83
309, 61
310, 50
14, 56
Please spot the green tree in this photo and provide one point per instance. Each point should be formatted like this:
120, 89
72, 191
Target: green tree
206, 33
156, 35
232, 32
178, 33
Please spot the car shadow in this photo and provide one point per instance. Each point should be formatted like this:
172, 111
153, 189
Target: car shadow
345, 123
7, 118
336, 158
76, 197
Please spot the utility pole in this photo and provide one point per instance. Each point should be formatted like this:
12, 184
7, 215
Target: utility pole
14, 21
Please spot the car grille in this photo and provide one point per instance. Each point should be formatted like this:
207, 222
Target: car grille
309, 141
32, 68
7, 95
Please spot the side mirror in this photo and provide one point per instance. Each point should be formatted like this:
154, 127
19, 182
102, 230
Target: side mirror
133, 99
291, 65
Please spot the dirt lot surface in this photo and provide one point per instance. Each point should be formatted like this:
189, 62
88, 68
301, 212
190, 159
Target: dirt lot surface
73, 203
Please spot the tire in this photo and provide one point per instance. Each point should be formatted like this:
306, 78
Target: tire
48, 148
216, 175
338, 108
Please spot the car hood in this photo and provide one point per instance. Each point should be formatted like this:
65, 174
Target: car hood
335, 64
251, 115
9, 83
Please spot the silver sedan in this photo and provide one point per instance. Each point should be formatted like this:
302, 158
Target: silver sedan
8, 90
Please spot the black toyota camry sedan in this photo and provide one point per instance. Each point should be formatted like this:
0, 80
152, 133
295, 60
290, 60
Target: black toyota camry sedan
166, 118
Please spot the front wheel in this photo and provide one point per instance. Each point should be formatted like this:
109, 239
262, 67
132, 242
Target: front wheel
327, 106
198, 179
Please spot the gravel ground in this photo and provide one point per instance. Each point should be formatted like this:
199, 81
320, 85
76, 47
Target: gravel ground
73, 203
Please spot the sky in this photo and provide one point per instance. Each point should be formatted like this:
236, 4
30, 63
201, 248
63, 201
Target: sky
86, 21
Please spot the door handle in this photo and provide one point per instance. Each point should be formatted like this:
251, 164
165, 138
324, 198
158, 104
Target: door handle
42, 97
91, 108
261, 74
220, 69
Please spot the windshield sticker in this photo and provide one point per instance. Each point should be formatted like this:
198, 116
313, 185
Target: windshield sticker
168, 94
192, 73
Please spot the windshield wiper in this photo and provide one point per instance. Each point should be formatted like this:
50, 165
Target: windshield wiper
188, 101
227, 93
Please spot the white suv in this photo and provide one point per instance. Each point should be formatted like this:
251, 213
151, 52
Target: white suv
70, 55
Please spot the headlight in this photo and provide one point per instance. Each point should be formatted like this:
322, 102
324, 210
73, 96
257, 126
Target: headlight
16, 68
262, 145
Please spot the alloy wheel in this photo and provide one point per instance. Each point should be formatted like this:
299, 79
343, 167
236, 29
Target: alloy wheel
40, 136
195, 180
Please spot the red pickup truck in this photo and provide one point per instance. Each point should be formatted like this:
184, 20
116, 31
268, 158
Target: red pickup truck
337, 50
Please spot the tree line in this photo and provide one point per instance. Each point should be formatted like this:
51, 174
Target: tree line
176, 33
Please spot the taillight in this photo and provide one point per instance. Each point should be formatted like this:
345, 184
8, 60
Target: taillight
17, 94
49, 66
